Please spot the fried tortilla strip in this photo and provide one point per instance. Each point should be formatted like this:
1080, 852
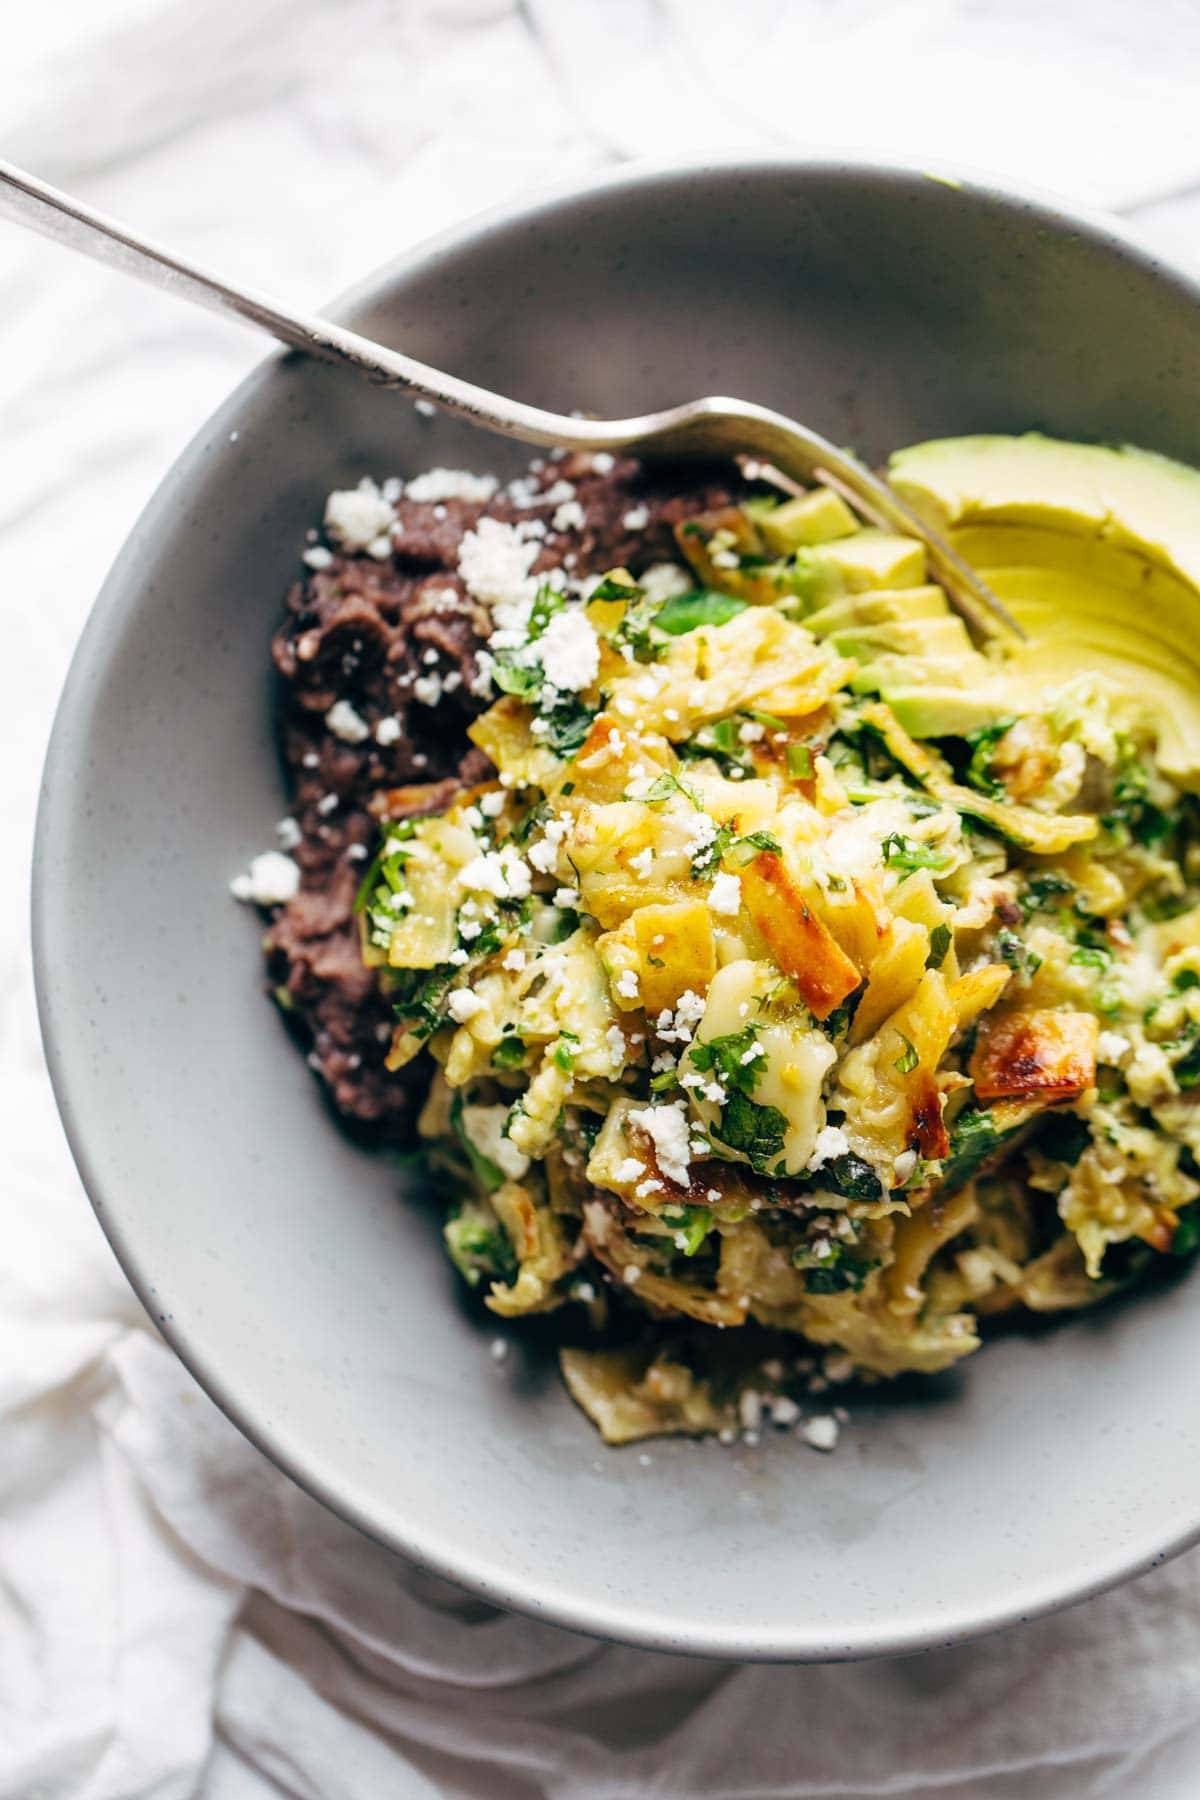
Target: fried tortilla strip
800, 944
1050, 1055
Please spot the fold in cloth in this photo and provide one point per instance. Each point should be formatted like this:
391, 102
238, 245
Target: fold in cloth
175, 1617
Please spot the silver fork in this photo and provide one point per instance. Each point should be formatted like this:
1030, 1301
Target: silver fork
712, 427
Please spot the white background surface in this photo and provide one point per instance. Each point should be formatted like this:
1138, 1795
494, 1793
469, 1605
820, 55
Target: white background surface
175, 1618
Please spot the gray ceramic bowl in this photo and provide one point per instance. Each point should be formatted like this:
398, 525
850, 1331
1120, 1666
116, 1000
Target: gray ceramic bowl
883, 306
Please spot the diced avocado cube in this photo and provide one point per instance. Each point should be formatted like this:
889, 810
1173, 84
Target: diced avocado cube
817, 518
877, 559
931, 712
945, 636
878, 607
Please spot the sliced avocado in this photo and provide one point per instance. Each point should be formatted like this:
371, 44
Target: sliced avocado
877, 559
945, 636
877, 607
1095, 550
932, 712
1134, 499
816, 518
890, 669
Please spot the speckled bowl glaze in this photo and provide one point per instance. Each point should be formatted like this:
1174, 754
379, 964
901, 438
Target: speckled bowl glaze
882, 305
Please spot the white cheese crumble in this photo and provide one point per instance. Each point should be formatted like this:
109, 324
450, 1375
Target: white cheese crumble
388, 731
358, 517
463, 1005
271, 879
569, 516
831, 1141
666, 1127
450, 484
663, 581
346, 723
494, 561
821, 1432
627, 985
640, 864
1111, 1046
499, 872
318, 557
543, 852
288, 833
725, 894
637, 518
427, 689
629, 1170
570, 651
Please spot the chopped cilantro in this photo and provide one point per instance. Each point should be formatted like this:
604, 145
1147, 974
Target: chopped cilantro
838, 1272
983, 748
509, 1053
974, 1135
566, 925
908, 1059
1091, 956
939, 946
418, 996
691, 1224
757, 1131
663, 786
707, 861
702, 606
610, 589
568, 722
900, 852
837, 1022
1017, 954
1133, 816
850, 1177
1041, 891
479, 1249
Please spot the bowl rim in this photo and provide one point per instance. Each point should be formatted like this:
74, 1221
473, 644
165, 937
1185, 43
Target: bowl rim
419, 1540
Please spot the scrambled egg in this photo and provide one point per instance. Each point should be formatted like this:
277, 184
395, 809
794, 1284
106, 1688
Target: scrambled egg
749, 1007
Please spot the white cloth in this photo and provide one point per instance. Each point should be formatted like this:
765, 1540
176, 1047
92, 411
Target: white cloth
175, 1617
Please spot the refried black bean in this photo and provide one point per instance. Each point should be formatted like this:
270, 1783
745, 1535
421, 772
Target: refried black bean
373, 633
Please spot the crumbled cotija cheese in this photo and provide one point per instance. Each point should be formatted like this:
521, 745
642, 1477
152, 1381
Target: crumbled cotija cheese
357, 517
666, 1127
821, 1432
570, 651
450, 484
725, 894
494, 561
499, 872
346, 723
272, 878
831, 1141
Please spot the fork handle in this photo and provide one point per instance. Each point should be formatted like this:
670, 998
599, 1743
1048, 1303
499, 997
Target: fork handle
34, 203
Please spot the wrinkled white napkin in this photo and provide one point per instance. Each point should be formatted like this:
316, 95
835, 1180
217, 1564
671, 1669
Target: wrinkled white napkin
175, 1617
